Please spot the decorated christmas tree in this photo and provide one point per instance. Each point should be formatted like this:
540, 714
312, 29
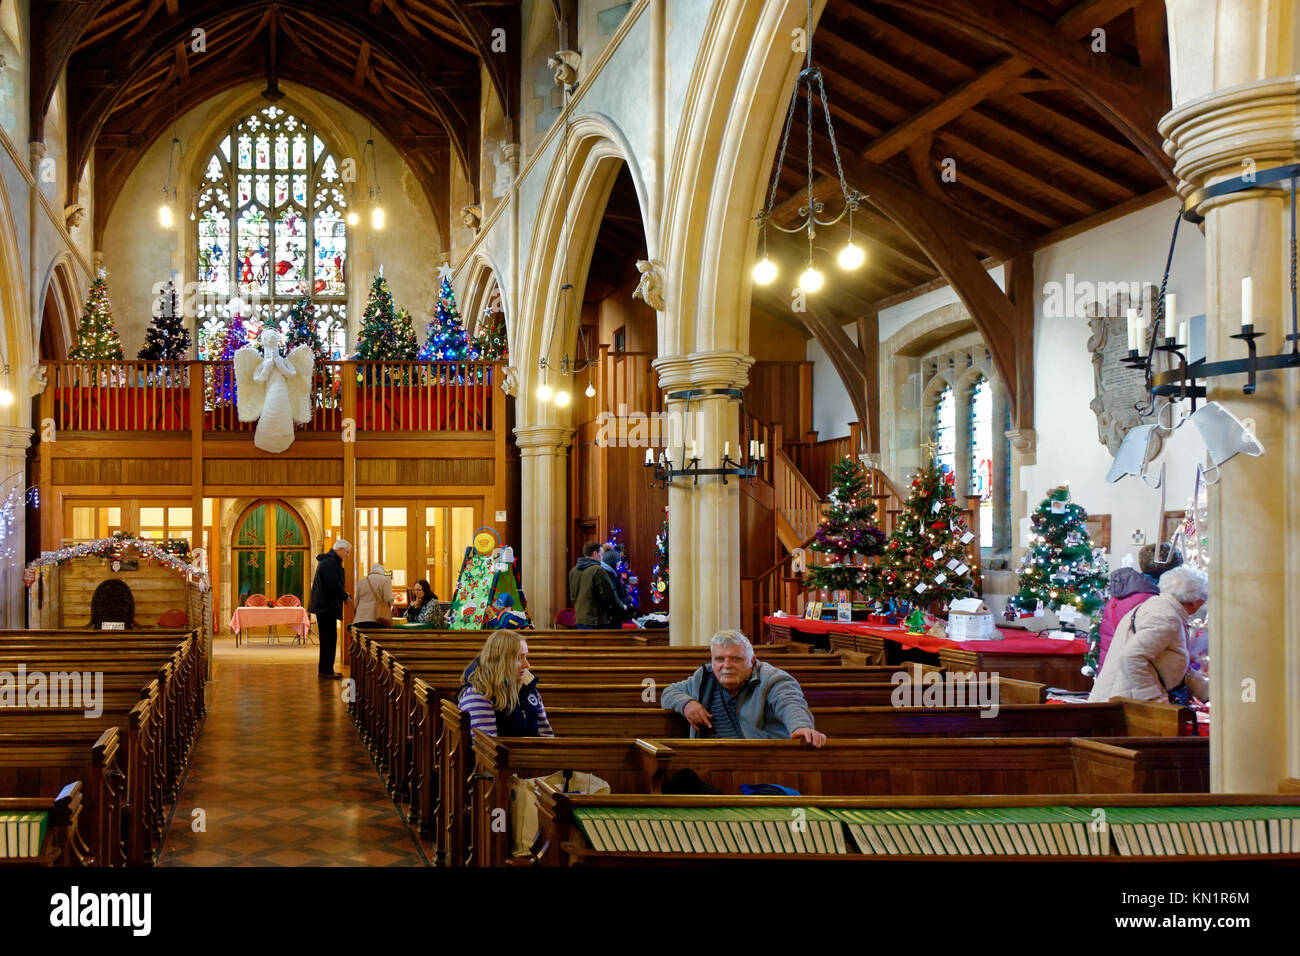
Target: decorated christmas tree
490, 340
659, 573
303, 330
235, 338
925, 560
167, 339
96, 335
848, 534
624, 571
386, 333
1060, 569
446, 339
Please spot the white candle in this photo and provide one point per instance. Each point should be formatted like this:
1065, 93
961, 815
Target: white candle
693, 455
649, 457
1170, 308
726, 449
753, 448
1247, 300
762, 450
1182, 333
1132, 330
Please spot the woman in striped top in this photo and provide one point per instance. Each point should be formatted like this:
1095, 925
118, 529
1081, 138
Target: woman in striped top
499, 693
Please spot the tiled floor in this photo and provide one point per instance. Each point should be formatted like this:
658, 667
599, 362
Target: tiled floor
280, 774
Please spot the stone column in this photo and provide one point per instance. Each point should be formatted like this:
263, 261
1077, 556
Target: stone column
544, 460
1235, 95
704, 519
14, 442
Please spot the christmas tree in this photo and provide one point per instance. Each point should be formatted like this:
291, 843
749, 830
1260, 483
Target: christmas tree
167, 339
96, 335
491, 337
624, 571
847, 532
925, 560
659, 573
1060, 568
386, 333
235, 338
304, 331
446, 339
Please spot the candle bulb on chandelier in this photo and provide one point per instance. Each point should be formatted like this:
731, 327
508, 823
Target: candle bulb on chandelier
1247, 301
1171, 303
726, 449
1132, 330
649, 457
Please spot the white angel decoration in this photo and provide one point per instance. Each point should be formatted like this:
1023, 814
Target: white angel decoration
276, 392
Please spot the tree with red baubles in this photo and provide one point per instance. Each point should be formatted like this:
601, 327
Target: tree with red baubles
847, 532
925, 559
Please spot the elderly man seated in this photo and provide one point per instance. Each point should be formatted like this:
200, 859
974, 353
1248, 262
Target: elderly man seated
737, 696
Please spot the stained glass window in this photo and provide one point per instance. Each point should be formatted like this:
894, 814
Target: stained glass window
981, 455
945, 429
272, 224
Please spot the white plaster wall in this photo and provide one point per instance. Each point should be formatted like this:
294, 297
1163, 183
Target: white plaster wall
13, 78
832, 410
1129, 249
138, 252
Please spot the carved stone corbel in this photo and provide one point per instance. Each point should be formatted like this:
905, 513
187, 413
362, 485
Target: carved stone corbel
37, 379
650, 289
510, 383
565, 63
1023, 440
471, 216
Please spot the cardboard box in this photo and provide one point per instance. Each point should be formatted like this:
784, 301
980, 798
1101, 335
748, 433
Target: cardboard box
969, 619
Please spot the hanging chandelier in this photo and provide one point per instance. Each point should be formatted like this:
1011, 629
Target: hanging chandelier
852, 256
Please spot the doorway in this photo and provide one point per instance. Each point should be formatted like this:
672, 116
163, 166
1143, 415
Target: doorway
270, 552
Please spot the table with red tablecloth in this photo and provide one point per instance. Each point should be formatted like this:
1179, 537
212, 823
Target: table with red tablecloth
295, 618
1018, 654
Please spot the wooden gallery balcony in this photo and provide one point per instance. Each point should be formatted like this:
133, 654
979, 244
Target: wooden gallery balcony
171, 429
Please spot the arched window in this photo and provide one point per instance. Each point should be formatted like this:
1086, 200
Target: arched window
945, 429
272, 226
981, 455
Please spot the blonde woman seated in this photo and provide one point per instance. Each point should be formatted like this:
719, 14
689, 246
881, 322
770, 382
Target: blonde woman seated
499, 693
1148, 656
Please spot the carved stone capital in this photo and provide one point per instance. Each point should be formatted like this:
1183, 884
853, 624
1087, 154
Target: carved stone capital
1221, 134
720, 369
543, 440
14, 440
650, 289
1023, 440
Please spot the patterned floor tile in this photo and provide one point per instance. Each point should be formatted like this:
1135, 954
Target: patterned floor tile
281, 775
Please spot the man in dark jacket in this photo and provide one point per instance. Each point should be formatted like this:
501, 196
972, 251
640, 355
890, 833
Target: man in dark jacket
326, 601
591, 592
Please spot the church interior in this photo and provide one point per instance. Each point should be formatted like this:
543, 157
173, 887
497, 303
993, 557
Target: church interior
856, 377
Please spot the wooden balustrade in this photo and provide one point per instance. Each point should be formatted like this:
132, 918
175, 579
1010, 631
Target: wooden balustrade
144, 396
797, 502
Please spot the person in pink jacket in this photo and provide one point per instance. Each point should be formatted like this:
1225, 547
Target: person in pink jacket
1129, 587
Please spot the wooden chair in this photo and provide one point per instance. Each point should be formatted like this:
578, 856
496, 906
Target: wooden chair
289, 600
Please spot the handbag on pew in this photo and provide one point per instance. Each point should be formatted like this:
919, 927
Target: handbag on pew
523, 803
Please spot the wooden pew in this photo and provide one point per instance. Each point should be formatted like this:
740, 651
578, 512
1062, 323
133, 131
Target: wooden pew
61, 837
894, 766
33, 765
561, 841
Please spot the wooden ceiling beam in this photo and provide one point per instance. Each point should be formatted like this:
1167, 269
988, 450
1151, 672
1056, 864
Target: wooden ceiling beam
504, 67
1133, 100
54, 30
182, 63
363, 64
154, 7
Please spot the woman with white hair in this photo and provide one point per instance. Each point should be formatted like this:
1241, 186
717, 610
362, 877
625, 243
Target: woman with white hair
374, 599
1148, 656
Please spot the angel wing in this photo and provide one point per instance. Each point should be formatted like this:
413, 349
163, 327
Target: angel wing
299, 385
250, 395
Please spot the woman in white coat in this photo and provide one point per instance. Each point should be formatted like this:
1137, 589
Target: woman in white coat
1148, 655
374, 594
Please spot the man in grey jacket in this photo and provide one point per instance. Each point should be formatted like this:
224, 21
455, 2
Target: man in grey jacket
737, 696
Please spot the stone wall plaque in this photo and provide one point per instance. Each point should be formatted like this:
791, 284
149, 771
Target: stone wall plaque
1118, 389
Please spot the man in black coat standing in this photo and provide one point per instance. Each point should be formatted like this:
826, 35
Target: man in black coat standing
326, 601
